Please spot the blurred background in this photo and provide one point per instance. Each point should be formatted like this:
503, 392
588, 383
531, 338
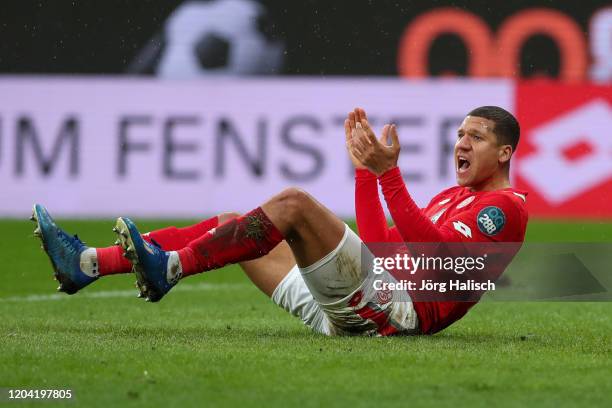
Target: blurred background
189, 108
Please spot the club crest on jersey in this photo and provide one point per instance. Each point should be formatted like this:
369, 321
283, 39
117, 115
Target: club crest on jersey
491, 220
384, 296
466, 202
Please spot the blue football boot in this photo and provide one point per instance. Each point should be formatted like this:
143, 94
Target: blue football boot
63, 250
149, 261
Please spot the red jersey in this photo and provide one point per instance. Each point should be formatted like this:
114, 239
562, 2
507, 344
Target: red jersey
455, 215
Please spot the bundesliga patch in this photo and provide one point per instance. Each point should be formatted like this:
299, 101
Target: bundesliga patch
491, 220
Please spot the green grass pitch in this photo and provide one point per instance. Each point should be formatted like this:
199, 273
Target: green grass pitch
216, 341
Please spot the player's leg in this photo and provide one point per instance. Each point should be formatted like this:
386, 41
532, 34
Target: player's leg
331, 290
76, 265
277, 275
309, 228
265, 272
269, 270
332, 295
110, 260
319, 241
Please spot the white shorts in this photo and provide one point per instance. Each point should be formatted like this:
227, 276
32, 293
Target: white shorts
335, 295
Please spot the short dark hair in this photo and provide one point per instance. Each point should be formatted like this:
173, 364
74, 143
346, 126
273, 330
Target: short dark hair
506, 129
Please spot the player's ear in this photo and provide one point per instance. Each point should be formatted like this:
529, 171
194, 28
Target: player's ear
504, 153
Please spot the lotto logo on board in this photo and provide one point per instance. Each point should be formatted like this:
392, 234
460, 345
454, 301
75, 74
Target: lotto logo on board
565, 155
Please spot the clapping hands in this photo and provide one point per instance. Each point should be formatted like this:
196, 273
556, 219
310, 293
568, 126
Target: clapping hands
365, 150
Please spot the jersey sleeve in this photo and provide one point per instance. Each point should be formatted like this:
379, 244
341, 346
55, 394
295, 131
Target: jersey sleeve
371, 219
490, 219
394, 235
411, 223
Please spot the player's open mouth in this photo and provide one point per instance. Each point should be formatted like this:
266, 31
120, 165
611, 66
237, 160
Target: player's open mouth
462, 164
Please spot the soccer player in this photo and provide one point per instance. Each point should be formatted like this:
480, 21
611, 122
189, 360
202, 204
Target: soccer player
305, 258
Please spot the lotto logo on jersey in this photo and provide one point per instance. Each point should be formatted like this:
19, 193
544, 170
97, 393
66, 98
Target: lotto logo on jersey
491, 220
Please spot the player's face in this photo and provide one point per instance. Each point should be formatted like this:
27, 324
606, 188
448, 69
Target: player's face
476, 151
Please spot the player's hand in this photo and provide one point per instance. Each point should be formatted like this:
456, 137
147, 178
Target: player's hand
349, 131
377, 155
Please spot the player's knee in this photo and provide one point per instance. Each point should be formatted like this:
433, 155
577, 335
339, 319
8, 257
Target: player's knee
226, 216
294, 202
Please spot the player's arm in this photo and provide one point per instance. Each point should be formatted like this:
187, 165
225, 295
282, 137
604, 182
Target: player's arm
370, 216
380, 158
411, 223
495, 218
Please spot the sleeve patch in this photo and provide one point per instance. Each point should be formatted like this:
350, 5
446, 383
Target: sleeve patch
491, 220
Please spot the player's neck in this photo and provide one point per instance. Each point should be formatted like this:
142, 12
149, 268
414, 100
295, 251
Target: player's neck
498, 181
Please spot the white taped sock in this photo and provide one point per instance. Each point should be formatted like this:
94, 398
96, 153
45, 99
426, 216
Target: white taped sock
89, 263
174, 270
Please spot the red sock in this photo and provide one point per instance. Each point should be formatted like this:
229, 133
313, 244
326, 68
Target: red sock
111, 260
173, 239
240, 239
